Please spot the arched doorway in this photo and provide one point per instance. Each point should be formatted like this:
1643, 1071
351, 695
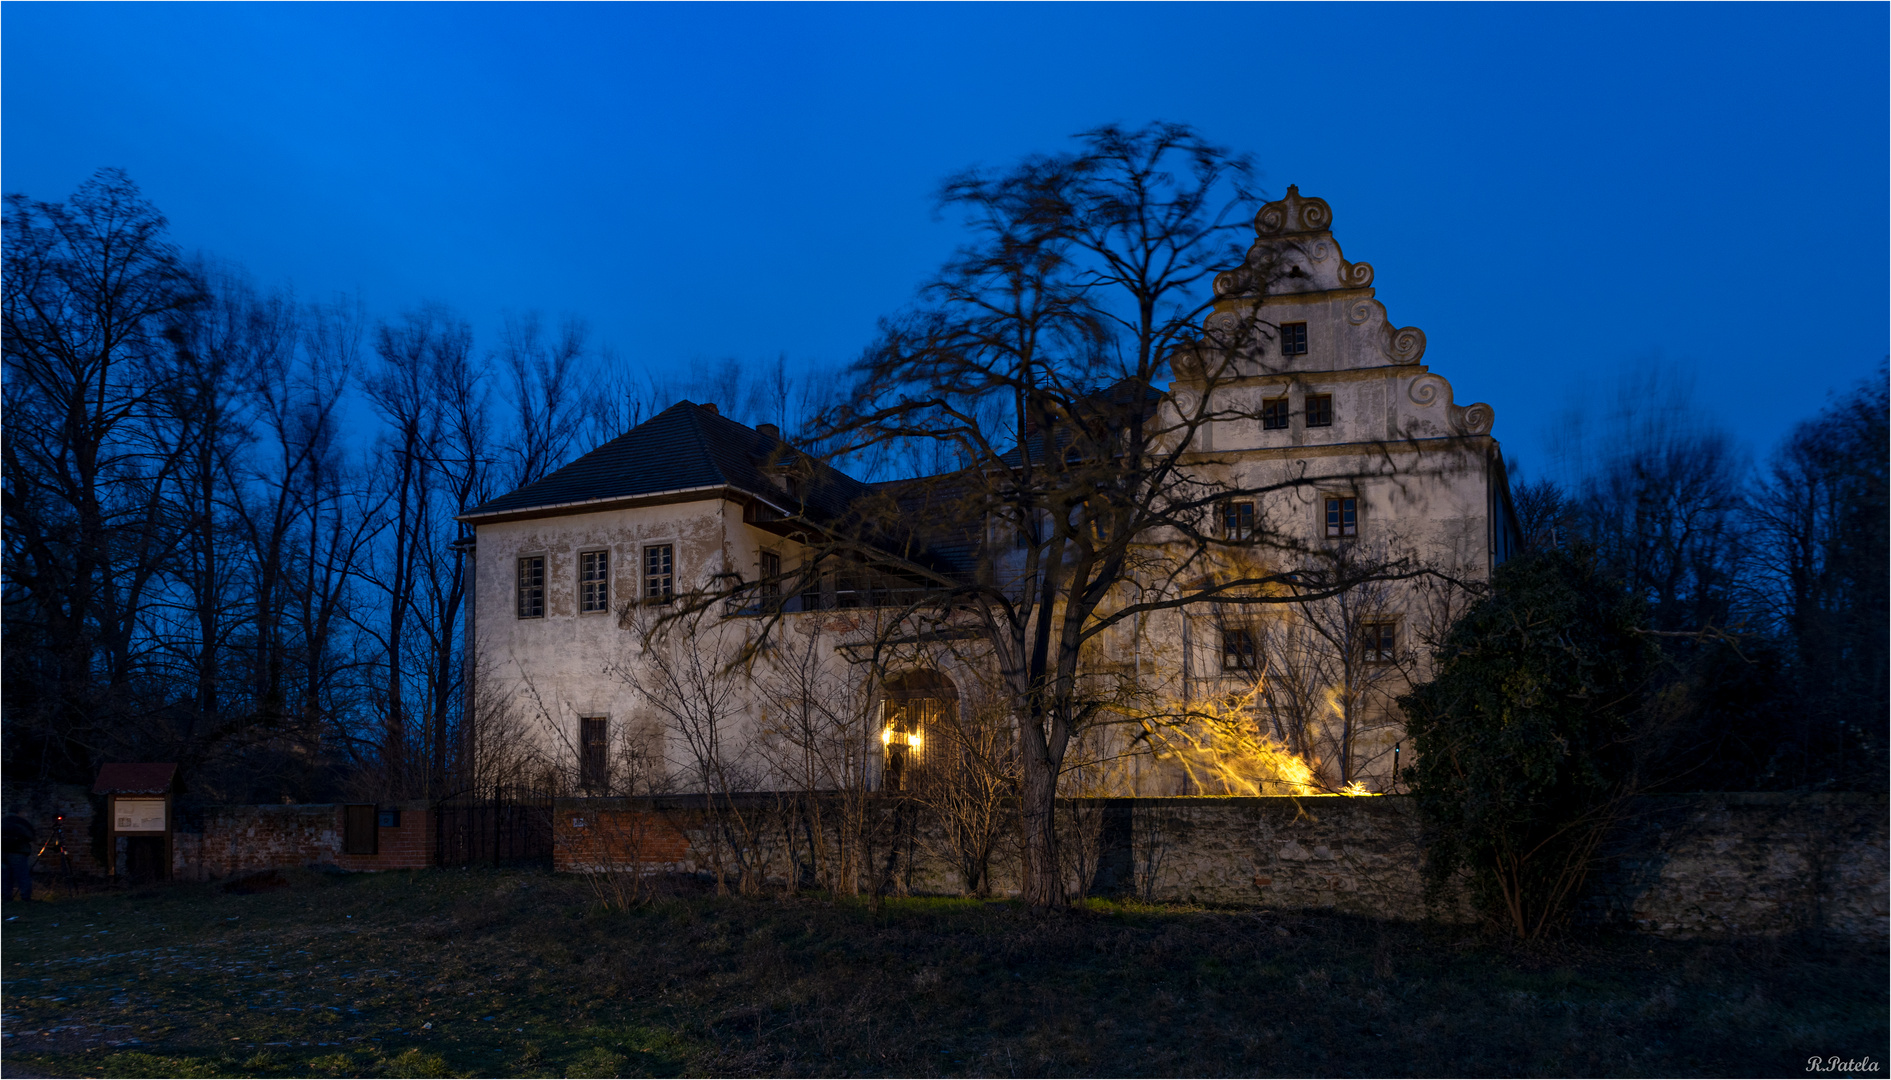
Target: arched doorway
913, 707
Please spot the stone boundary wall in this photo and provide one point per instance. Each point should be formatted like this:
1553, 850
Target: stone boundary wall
1746, 863
1679, 865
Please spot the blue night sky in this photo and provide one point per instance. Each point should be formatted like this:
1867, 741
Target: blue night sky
1555, 193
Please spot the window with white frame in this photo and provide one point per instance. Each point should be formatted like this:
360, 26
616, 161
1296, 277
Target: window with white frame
659, 573
594, 581
532, 587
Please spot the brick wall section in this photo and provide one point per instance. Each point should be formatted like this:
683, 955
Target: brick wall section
244, 839
43, 803
407, 846
592, 834
241, 839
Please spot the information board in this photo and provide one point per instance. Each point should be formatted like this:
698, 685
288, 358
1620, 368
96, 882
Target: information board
138, 815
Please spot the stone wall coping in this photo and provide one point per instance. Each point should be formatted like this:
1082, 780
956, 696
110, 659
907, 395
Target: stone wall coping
757, 798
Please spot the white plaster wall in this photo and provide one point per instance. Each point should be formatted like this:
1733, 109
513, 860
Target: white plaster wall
548, 672
1421, 466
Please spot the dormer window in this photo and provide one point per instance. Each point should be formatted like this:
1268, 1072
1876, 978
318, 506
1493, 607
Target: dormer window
1293, 339
790, 475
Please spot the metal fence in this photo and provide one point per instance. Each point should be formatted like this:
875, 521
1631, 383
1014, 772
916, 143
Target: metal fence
512, 828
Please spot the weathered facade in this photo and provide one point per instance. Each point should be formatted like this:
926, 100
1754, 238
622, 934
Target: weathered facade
1368, 453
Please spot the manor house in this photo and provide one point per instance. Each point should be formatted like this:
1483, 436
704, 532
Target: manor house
582, 671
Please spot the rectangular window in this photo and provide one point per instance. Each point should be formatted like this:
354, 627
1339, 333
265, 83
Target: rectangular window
1379, 641
770, 589
594, 763
1239, 650
812, 588
1237, 520
594, 581
1274, 413
1319, 410
360, 834
1293, 339
659, 573
532, 587
1342, 516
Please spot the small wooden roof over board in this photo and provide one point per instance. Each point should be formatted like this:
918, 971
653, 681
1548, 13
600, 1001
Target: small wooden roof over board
135, 778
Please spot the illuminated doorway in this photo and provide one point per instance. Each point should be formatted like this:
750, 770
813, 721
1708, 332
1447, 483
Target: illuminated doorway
913, 712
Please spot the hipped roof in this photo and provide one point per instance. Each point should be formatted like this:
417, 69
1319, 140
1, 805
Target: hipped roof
686, 447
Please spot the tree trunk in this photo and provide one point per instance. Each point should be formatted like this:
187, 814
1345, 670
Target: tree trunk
1043, 884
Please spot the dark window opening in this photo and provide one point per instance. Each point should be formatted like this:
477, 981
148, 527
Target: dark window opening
1379, 642
1319, 410
532, 587
1342, 517
594, 767
594, 581
360, 834
1293, 339
1237, 520
770, 587
811, 588
659, 573
1239, 649
1274, 413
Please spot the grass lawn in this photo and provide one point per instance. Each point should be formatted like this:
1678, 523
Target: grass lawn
496, 973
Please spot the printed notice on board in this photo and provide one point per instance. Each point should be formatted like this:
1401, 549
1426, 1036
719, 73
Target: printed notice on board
139, 815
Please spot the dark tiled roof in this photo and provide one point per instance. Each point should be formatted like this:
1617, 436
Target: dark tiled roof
135, 778
939, 519
1108, 409
685, 446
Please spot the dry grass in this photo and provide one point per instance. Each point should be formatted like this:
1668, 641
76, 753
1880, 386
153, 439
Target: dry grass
515, 973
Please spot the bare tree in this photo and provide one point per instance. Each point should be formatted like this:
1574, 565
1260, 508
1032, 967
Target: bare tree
817, 735
1819, 526
94, 291
689, 671
543, 372
1661, 497
1095, 503
1333, 668
969, 783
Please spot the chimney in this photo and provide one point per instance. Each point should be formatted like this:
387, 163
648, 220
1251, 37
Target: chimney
711, 406
769, 430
